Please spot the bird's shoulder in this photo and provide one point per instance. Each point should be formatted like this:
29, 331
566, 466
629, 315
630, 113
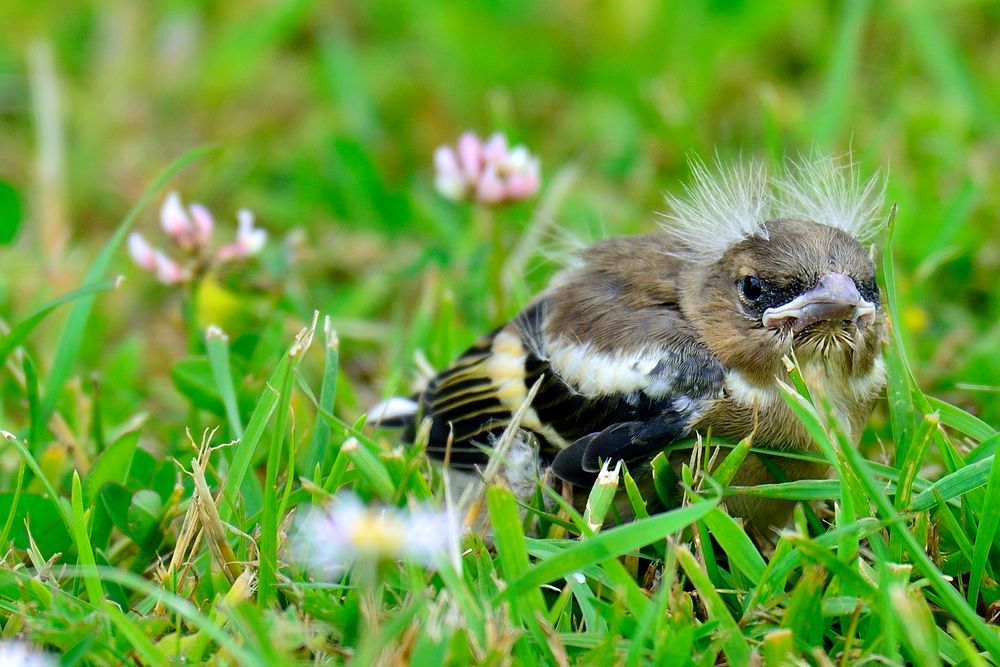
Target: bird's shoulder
613, 324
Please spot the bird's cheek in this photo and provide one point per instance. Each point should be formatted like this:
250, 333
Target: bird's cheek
757, 352
867, 319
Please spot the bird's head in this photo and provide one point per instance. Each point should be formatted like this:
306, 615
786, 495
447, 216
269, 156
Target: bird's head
805, 288
800, 283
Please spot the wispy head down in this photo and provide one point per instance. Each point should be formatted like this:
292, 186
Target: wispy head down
725, 204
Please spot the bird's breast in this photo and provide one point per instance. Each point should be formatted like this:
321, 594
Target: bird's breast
851, 397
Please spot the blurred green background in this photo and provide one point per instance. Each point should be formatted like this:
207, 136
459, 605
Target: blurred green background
326, 117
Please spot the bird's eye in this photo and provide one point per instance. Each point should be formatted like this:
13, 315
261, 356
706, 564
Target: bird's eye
868, 289
751, 287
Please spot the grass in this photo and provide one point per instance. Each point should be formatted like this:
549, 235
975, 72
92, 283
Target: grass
128, 538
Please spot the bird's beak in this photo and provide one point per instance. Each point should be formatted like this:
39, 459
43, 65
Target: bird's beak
835, 297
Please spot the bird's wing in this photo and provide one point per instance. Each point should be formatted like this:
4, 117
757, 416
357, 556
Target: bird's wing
610, 347
618, 345
604, 408
464, 407
629, 441
635, 404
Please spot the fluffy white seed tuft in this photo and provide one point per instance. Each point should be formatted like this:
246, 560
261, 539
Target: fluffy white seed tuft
729, 203
719, 209
831, 192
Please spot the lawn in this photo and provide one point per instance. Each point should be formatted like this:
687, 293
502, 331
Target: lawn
168, 427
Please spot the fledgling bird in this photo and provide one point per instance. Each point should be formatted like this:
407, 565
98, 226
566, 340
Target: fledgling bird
646, 340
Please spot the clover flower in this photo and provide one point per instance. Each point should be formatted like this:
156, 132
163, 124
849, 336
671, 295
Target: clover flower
490, 172
167, 271
191, 230
23, 654
250, 240
330, 539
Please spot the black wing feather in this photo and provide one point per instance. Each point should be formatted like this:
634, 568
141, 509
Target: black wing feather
467, 415
626, 441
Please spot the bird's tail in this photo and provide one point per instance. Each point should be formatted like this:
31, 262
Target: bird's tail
395, 412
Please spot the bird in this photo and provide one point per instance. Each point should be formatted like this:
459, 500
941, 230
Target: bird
642, 341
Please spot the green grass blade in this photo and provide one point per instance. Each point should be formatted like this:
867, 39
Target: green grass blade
135, 636
111, 466
610, 573
511, 547
75, 328
372, 469
737, 544
95, 591
726, 471
613, 543
269, 519
23, 329
969, 651
802, 489
635, 497
602, 495
803, 615
18, 486
971, 477
176, 604
812, 550
217, 349
915, 625
734, 645
984, 450
900, 387
857, 473
373, 645
986, 532
42, 479
813, 424
646, 628
957, 531
316, 452
949, 596
244, 450
529, 605
470, 605
962, 421
786, 557
914, 459
36, 428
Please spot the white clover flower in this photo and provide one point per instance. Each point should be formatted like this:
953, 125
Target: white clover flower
250, 240
143, 253
204, 223
192, 231
448, 179
22, 654
174, 220
330, 539
490, 173
167, 270
189, 229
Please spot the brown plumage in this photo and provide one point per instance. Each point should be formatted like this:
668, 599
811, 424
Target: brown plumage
649, 339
